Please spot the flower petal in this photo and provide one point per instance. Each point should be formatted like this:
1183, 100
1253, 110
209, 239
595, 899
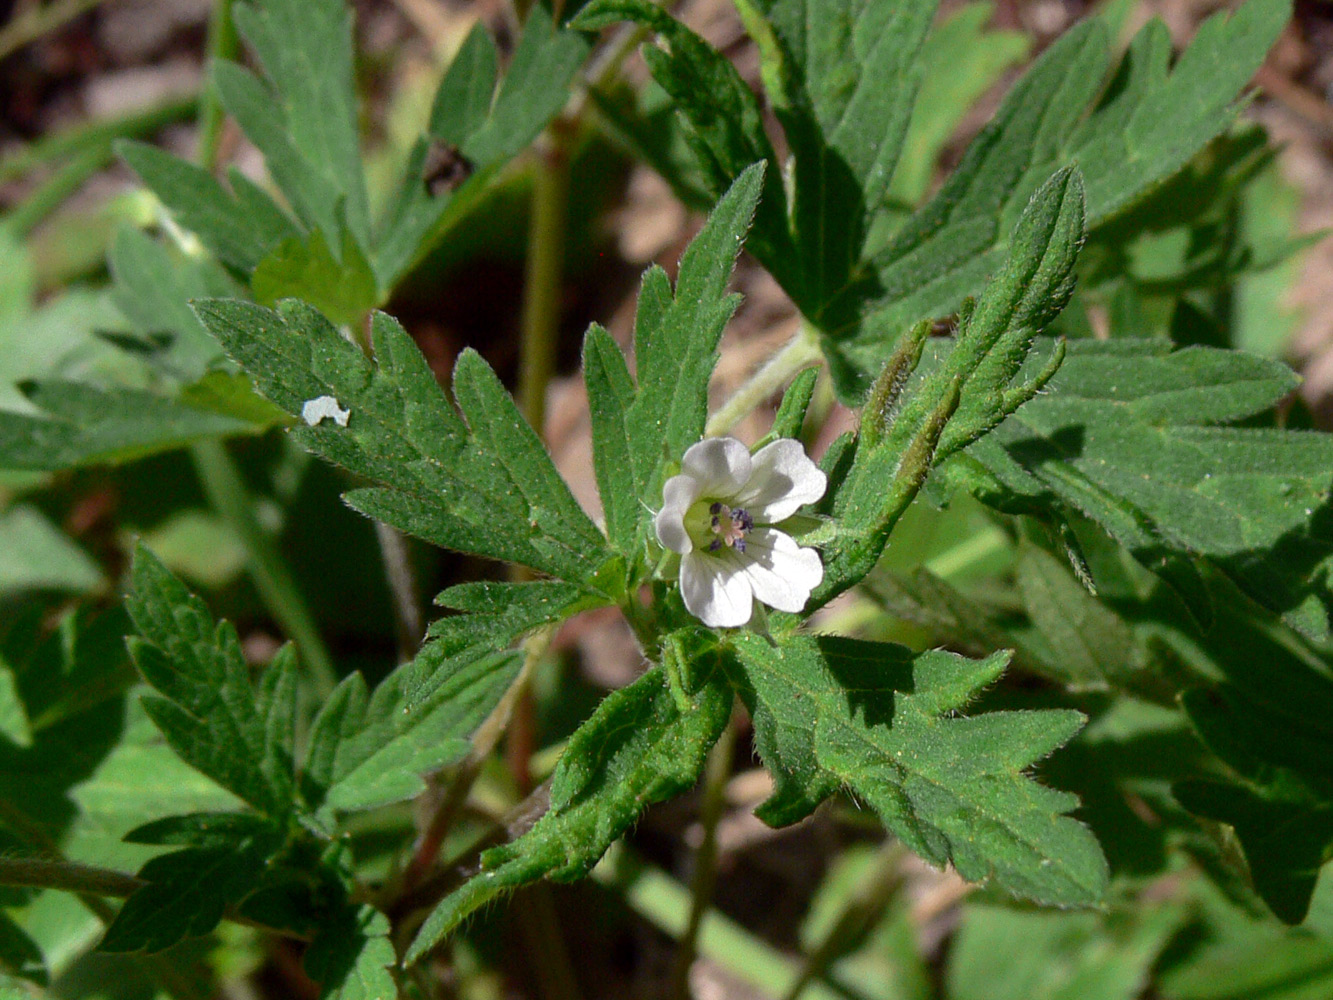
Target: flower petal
782, 481
721, 466
677, 495
716, 589
780, 572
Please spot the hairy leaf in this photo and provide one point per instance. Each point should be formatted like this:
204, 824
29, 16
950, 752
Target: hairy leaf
874, 718
206, 708
1122, 436
351, 956
187, 893
368, 750
640, 746
89, 426
481, 482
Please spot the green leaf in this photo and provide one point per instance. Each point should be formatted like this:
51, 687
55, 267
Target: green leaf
908, 427
676, 336
1006, 954
90, 426
1119, 437
535, 88
639, 747
19, 955
370, 750
723, 121
344, 290
497, 614
875, 719
36, 555
962, 59
1090, 646
610, 395
849, 75
485, 485
187, 893
153, 288
351, 956
306, 125
241, 228
1148, 129
208, 711
463, 100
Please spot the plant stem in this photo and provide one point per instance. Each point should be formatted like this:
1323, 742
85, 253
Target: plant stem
93, 135
800, 351
716, 772
222, 44
55, 873
484, 741
396, 551
541, 332
37, 21
666, 903
26, 215
229, 496
859, 916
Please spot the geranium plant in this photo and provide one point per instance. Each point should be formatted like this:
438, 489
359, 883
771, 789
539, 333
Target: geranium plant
1020, 350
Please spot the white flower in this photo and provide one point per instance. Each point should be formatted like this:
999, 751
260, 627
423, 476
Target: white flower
719, 514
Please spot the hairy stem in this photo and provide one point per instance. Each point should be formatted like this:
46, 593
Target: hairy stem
230, 497
800, 351
717, 771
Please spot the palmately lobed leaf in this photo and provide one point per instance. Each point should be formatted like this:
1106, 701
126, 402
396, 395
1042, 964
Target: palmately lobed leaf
207, 709
879, 721
1123, 435
477, 482
368, 750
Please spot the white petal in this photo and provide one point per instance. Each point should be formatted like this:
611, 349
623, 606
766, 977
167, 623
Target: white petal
721, 466
716, 589
781, 573
784, 479
677, 495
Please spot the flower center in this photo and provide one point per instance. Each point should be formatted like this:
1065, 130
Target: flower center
728, 526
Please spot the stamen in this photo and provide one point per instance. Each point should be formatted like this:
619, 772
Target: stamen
729, 525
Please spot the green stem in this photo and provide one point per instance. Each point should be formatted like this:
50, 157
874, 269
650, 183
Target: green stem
222, 44
99, 135
37, 21
802, 350
858, 917
666, 903
227, 492
48, 873
544, 273
26, 215
716, 773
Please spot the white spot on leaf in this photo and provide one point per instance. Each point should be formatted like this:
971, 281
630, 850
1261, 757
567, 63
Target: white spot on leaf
324, 407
